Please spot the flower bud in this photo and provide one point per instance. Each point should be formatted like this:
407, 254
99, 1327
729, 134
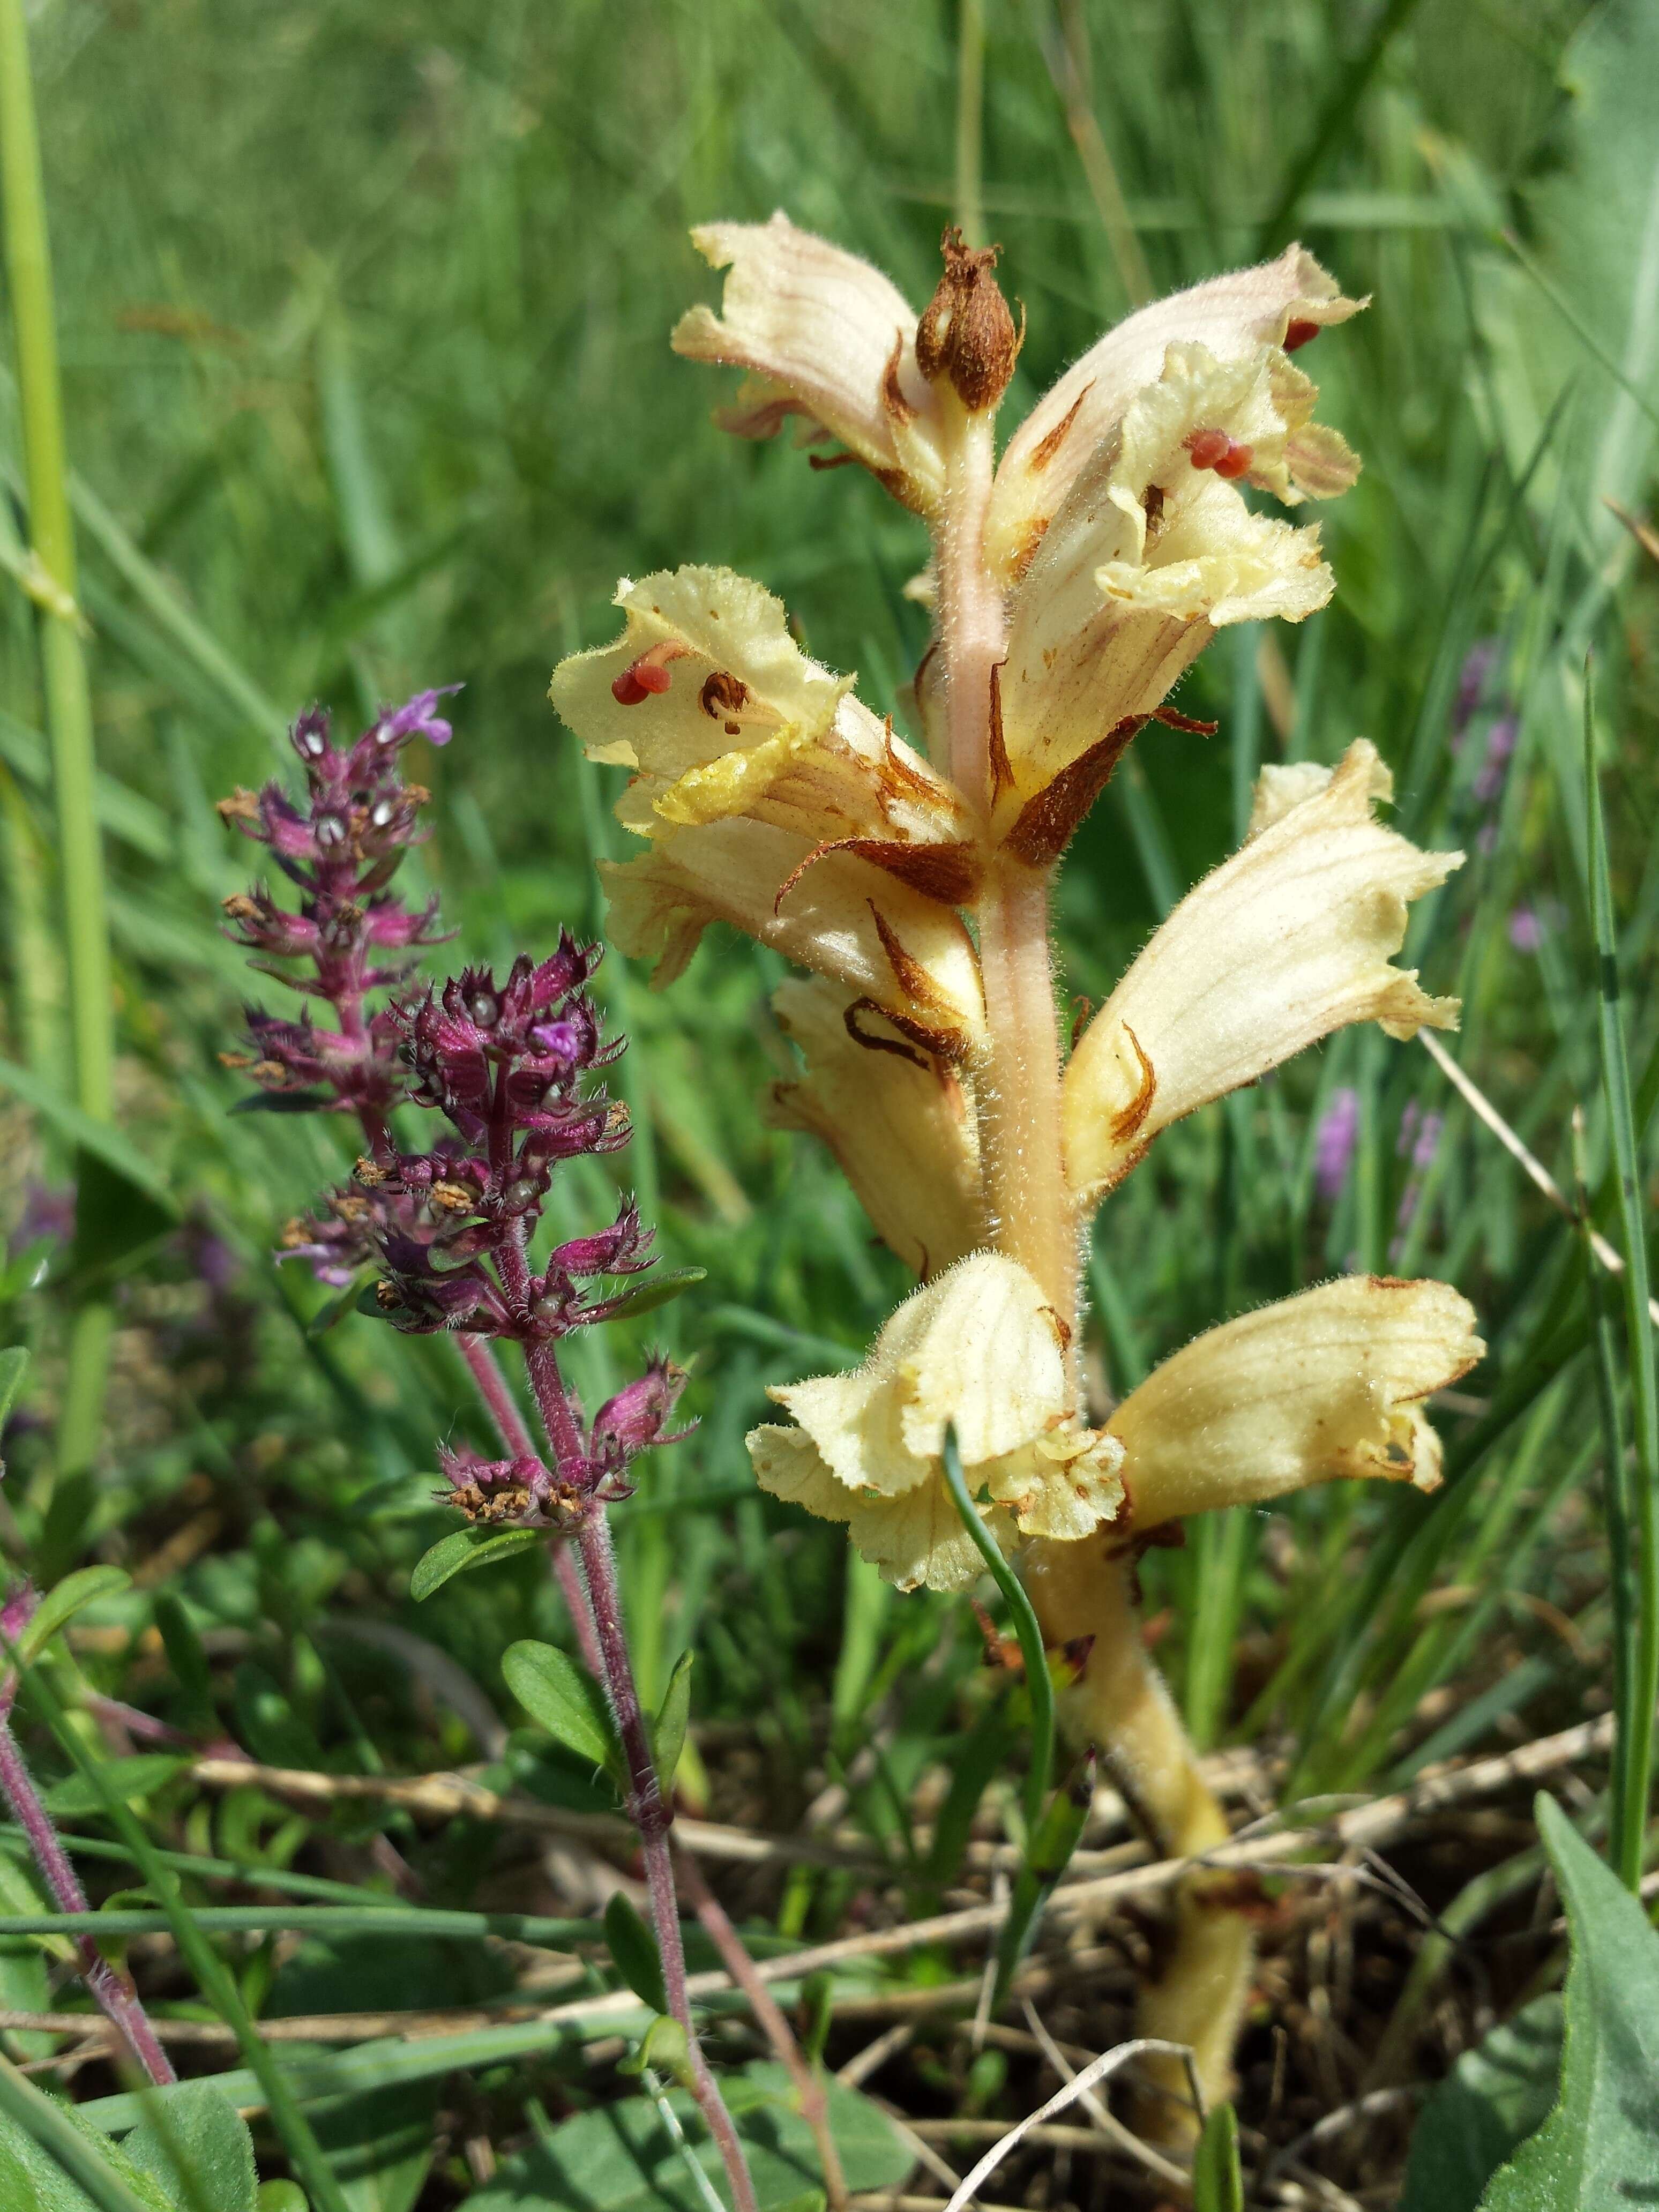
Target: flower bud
966, 331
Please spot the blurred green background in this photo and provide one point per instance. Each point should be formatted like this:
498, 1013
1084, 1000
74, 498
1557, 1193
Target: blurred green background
364, 313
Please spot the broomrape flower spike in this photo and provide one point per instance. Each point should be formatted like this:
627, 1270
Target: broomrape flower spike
1073, 580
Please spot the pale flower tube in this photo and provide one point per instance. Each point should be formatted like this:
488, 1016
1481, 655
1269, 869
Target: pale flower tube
900, 1122
1281, 303
978, 1348
1285, 942
824, 336
1316, 1388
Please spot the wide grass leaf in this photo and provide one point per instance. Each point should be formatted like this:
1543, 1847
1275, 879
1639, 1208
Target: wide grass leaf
199, 2150
1599, 2147
1493, 2098
622, 2157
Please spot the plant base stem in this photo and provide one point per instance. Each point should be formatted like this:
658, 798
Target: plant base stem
120, 2005
809, 2087
653, 1818
1120, 1705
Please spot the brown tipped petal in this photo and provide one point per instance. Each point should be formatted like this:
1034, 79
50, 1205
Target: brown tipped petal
824, 335
1291, 939
1317, 1388
898, 1119
1231, 315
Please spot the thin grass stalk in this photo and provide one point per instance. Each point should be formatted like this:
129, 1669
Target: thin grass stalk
63, 671
1615, 1504
970, 121
1627, 1838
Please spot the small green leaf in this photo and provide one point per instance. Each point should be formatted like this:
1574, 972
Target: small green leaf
1597, 2148
13, 1365
65, 1601
459, 1553
664, 2049
634, 1953
565, 1700
646, 1298
1218, 2178
140, 1776
668, 1738
188, 1660
282, 2197
199, 2149
621, 2156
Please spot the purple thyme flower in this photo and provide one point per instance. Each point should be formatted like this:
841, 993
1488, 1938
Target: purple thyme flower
1333, 1143
1526, 929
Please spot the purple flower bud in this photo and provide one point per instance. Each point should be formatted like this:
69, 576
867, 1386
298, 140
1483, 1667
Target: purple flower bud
1333, 1143
636, 1418
18, 1611
416, 718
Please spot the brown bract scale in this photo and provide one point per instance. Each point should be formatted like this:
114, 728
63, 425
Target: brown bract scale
966, 331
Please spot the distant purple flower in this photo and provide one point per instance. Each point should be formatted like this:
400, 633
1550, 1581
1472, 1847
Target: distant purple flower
1478, 665
1527, 930
1419, 1135
1500, 744
47, 1218
1333, 1143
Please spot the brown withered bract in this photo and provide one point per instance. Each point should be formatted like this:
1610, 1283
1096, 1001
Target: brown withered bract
966, 331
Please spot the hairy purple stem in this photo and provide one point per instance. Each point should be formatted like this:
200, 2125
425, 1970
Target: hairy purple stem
653, 1818
604, 1646
119, 2004
511, 1427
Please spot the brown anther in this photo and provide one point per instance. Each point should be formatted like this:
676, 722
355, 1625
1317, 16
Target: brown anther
417, 794
294, 1233
239, 907
268, 1071
235, 1059
966, 332
369, 1172
488, 1505
241, 806
1152, 505
386, 1295
1234, 462
1299, 332
350, 1209
450, 1198
723, 694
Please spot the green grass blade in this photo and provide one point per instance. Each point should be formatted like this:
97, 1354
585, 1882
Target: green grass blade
45, 2124
1637, 1763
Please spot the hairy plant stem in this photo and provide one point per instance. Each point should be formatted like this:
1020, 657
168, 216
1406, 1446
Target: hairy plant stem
604, 1637
809, 2085
119, 2004
653, 1818
1017, 1081
1122, 1705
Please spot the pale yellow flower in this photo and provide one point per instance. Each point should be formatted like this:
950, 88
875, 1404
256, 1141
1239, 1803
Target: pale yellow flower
772, 800
978, 1348
1317, 1388
1153, 552
899, 1121
825, 337
1288, 940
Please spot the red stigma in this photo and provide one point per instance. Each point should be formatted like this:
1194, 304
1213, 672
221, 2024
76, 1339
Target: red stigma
1209, 448
1235, 461
643, 679
1297, 334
